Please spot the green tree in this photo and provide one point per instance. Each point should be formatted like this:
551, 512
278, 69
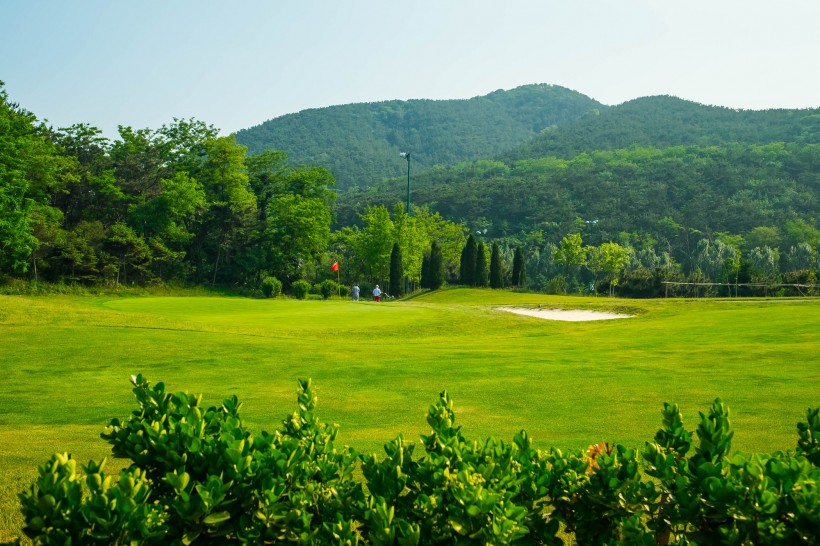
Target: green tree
482, 268
799, 231
130, 253
450, 236
299, 232
31, 170
79, 251
496, 276
571, 255
467, 272
396, 273
425, 271
413, 239
94, 193
762, 236
436, 266
375, 242
519, 268
614, 258
223, 232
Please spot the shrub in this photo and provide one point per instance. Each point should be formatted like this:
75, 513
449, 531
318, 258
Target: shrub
328, 288
271, 287
300, 289
198, 474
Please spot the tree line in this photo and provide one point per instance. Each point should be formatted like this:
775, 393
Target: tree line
744, 212
181, 204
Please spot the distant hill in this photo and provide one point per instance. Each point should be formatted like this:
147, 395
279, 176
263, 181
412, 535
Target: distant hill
627, 167
664, 121
360, 143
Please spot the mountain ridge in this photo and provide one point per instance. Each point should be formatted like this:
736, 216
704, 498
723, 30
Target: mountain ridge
360, 142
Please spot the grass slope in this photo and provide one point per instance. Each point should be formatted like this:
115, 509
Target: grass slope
377, 367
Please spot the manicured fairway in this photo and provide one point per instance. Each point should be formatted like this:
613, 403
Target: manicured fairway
66, 363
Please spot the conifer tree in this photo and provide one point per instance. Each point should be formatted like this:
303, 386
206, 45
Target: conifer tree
482, 269
468, 260
436, 267
425, 270
519, 271
396, 272
496, 277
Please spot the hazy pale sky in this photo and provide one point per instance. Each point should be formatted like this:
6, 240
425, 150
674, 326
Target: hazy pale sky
238, 63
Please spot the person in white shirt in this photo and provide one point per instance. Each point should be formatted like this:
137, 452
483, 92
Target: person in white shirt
377, 294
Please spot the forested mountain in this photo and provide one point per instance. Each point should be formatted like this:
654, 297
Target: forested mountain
731, 188
360, 143
664, 121
624, 168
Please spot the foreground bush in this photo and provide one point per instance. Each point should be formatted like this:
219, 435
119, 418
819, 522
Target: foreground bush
198, 476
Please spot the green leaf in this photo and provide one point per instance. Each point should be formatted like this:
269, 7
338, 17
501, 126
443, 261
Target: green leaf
217, 518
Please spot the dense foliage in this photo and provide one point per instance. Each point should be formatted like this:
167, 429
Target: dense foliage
651, 192
198, 474
742, 212
360, 143
181, 204
664, 122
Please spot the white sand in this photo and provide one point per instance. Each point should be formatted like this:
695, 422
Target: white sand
561, 314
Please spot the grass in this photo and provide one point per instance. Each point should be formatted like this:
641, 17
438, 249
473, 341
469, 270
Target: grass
67, 360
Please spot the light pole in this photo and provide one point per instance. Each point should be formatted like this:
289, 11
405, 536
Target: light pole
406, 155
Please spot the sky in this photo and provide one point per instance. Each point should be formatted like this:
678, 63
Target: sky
238, 63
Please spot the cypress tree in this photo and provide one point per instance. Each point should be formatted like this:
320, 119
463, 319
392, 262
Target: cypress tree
519, 271
496, 278
482, 270
468, 257
396, 272
436, 267
425, 270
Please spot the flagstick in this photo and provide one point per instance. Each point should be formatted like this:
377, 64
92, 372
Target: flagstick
339, 280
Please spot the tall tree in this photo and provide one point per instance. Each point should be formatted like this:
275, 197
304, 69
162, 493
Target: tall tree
519, 268
496, 275
613, 258
222, 234
413, 239
375, 242
571, 254
482, 268
436, 266
396, 286
297, 219
31, 170
467, 273
425, 270
450, 236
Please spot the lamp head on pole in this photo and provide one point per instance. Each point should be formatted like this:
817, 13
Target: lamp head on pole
405, 155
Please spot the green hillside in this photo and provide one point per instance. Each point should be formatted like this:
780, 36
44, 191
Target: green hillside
360, 143
664, 121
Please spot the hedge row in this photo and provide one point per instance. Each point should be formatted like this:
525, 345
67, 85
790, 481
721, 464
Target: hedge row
198, 476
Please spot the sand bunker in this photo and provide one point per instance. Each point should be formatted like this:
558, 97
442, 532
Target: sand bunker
561, 314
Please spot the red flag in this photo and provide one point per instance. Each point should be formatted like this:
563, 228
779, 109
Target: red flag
335, 266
